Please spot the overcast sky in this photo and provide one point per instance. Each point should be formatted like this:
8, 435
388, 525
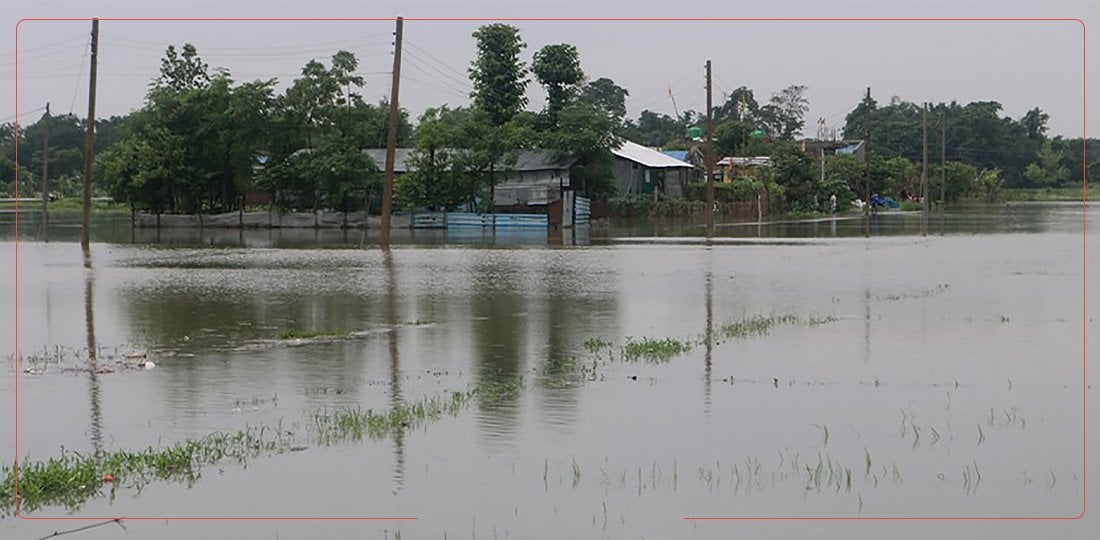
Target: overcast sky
1019, 64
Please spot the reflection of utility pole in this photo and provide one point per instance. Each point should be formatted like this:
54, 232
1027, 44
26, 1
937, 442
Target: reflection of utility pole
709, 343
391, 142
89, 149
710, 159
396, 398
95, 408
45, 163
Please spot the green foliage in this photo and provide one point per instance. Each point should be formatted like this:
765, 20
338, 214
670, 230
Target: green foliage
739, 190
558, 69
182, 71
498, 75
437, 181
794, 170
783, 115
1048, 171
653, 129
976, 133
587, 134
989, 184
739, 105
959, 178
654, 350
604, 95
731, 136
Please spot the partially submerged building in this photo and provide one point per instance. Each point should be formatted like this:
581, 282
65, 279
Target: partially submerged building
641, 171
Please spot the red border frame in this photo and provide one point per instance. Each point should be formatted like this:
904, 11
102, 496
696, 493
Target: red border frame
600, 19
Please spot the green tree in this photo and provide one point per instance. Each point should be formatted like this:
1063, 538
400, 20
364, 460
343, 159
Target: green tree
605, 95
960, 179
783, 115
654, 129
436, 181
184, 70
1035, 123
740, 105
558, 69
793, 171
499, 77
588, 135
731, 136
1048, 171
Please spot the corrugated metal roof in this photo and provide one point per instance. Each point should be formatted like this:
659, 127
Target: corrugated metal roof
681, 155
647, 157
400, 156
526, 160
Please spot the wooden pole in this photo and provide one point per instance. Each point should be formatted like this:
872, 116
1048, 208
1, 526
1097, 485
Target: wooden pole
89, 147
710, 158
45, 164
943, 161
391, 142
867, 155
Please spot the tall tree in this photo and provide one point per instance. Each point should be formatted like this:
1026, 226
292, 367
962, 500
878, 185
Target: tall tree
605, 95
784, 113
558, 69
182, 70
1048, 171
1035, 122
499, 77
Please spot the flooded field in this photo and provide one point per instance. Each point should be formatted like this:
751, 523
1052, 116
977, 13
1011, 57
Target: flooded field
506, 388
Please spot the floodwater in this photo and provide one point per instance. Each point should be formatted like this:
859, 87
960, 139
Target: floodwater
926, 370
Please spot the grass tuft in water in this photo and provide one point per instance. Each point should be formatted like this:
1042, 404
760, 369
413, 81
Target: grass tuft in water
654, 350
355, 423
595, 345
294, 333
72, 478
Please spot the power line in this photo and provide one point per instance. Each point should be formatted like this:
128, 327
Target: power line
434, 87
80, 73
438, 61
453, 80
10, 118
436, 79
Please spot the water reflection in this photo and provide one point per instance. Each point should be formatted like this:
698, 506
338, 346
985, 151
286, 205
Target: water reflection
396, 398
499, 330
709, 338
95, 408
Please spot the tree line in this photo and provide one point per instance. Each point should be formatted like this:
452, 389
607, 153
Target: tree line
202, 141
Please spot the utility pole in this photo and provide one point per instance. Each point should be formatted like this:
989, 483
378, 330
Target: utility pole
943, 161
710, 158
89, 147
45, 163
391, 141
924, 159
867, 155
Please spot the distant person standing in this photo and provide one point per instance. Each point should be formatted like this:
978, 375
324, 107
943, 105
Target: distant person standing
832, 203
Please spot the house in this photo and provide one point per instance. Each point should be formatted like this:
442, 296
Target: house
640, 170
536, 180
738, 167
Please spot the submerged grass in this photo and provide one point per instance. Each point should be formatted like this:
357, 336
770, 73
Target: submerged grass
654, 350
72, 478
294, 333
595, 345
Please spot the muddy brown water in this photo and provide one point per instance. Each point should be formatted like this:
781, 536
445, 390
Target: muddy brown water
956, 350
